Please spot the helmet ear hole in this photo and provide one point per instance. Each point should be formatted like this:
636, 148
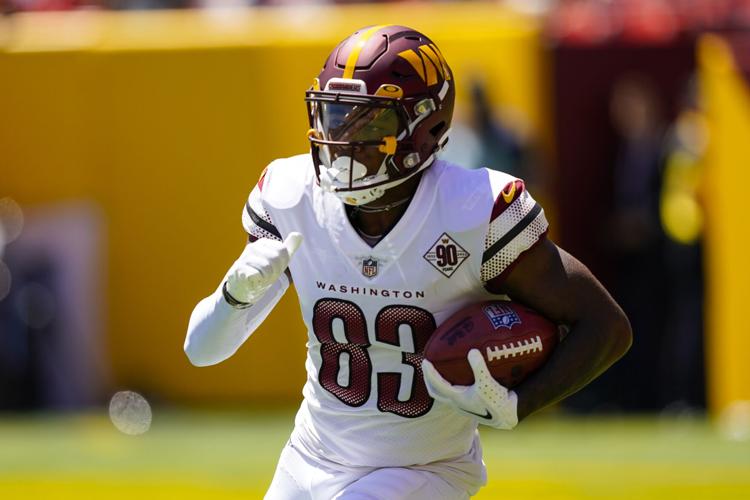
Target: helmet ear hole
435, 131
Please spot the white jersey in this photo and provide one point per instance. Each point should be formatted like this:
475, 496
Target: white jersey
370, 310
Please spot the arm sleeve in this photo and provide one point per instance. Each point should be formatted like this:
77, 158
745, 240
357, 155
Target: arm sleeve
517, 223
216, 329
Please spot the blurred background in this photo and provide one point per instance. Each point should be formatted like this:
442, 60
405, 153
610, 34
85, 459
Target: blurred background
131, 132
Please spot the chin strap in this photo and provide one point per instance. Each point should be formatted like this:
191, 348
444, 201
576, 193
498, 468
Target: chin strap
342, 195
371, 209
357, 209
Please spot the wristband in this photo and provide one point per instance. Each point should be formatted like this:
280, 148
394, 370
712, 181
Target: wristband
231, 300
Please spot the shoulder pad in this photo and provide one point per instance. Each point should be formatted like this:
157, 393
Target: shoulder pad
463, 195
500, 182
286, 180
516, 223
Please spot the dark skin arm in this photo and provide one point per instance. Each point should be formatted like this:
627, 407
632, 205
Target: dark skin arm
558, 286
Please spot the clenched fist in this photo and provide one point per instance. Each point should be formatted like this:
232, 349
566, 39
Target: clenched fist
259, 266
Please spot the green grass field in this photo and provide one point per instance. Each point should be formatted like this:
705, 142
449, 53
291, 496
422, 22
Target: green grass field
233, 455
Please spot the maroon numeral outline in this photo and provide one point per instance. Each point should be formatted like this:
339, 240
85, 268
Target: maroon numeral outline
387, 323
355, 331
422, 324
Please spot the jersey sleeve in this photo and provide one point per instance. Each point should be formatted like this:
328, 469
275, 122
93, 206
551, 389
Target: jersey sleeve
255, 218
517, 223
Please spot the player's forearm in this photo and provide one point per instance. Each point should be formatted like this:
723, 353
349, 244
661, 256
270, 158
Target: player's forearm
588, 350
216, 329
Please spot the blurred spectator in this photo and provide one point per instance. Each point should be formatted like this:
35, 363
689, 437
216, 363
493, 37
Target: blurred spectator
682, 378
504, 147
635, 234
655, 234
479, 138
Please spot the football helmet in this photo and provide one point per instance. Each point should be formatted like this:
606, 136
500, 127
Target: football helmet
379, 111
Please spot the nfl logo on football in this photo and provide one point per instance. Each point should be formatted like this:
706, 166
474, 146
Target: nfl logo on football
370, 267
501, 316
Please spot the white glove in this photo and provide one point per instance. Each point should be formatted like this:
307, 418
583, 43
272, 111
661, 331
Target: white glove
259, 266
487, 400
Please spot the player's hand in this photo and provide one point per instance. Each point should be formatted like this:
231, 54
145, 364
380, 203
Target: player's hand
486, 400
259, 266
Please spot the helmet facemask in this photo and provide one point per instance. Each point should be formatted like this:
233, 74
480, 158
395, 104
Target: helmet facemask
361, 144
379, 111
354, 141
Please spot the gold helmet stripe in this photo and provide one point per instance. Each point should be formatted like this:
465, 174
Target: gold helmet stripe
433, 58
415, 60
437, 59
351, 61
446, 70
432, 66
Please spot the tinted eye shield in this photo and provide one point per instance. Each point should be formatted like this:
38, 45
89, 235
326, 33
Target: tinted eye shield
336, 115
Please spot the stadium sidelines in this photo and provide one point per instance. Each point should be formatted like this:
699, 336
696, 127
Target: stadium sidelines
233, 455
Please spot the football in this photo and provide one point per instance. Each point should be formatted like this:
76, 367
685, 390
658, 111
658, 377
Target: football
513, 339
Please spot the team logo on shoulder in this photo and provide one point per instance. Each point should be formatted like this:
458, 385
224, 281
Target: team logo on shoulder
370, 267
501, 316
446, 255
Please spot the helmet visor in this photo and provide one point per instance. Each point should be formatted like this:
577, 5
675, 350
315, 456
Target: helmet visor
357, 122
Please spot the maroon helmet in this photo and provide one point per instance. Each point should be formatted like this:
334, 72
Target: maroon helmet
384, 96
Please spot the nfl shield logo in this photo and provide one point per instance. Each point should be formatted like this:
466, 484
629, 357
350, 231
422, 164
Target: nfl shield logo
501, 316
370, 267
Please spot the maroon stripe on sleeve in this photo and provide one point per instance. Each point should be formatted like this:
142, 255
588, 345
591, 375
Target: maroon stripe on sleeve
508, 195
495, 285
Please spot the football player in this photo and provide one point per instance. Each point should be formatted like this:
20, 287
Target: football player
395, 241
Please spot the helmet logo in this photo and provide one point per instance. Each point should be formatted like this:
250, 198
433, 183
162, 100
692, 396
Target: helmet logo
428, 62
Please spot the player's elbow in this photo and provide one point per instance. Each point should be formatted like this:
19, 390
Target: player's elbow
199, 357
195, 357
203, 345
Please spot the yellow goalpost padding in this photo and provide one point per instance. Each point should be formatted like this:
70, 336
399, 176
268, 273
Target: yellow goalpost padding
727, 101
